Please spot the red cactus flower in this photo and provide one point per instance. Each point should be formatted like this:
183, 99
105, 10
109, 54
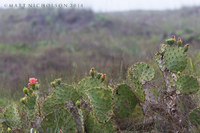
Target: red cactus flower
60, 131
32, 81
173, 36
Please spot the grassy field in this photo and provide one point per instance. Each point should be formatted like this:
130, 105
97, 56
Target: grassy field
49, 44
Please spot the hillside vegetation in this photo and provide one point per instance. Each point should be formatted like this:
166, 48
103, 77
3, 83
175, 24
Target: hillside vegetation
66, 43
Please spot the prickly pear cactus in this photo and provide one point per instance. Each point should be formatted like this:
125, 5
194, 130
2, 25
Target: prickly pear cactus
137, 115
187, 84
87, 83
194, 117
94, 126
139, 91
175, 58
31, 106
58, 120
101, 102
58, 97
139, 74
124, 101
31, 100
161, 64
12, 117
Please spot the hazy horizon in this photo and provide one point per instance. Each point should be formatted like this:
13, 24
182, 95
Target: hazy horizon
114, 5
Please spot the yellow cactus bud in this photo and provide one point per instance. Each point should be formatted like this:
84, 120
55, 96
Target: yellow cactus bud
9, 129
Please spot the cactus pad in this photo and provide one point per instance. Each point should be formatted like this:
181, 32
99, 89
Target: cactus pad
58, 98
30, 101
86, 84
59, 120
175, 59
187, 84
159, 61
124, 101
12, 116
142, 72
194, 116
31, 104
93, 126
139, 91
101, 102
163, 47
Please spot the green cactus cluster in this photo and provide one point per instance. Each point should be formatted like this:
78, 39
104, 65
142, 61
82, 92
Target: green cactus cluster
94, 106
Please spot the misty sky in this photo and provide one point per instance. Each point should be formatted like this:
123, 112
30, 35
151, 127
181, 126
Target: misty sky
116, 5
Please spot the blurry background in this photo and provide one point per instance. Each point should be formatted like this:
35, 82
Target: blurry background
108, 35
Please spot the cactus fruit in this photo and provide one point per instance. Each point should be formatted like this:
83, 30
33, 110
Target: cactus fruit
142, 72
186, 47
179, 42
179, 73
103, 77
124, 101
12, 116
194, 117
175, 59
58, 120
92, 72
171, 40
25, 90
101, 102
57, 98
187, 84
